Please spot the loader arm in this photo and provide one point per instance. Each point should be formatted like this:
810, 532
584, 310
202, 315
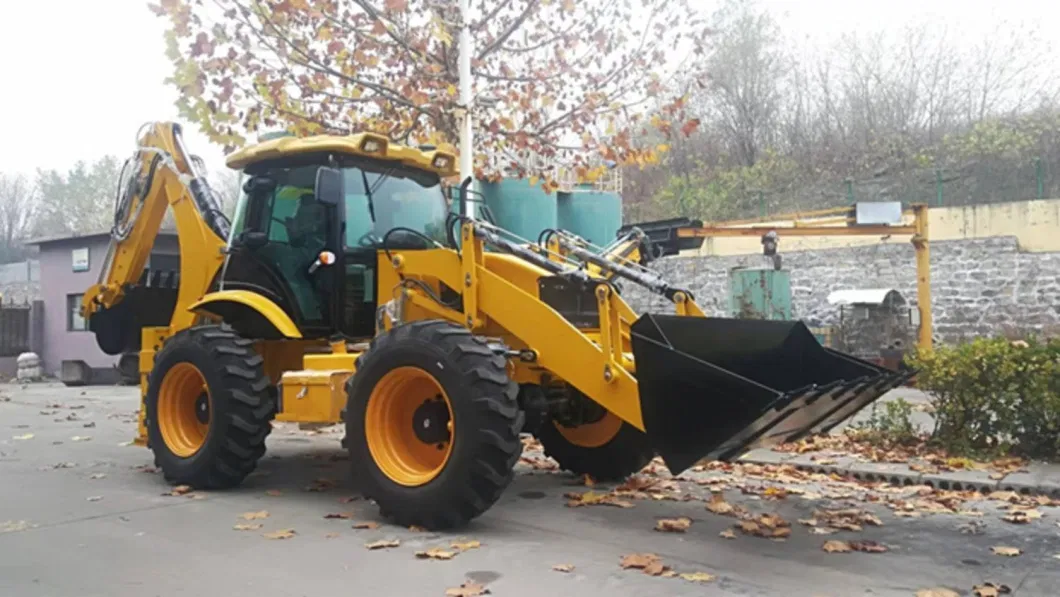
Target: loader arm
161, 174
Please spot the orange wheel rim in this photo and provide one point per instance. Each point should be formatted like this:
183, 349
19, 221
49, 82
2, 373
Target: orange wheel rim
184, 409
591, 435
409, 426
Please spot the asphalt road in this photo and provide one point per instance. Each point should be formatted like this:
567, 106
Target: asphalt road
80, 517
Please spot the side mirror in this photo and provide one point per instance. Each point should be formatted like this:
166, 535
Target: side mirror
254, 239
330, 186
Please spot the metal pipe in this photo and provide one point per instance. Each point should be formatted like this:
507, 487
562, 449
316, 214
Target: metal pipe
466, 138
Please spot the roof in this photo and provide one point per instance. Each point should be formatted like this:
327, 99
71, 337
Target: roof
43, 240
866, 296
371, 145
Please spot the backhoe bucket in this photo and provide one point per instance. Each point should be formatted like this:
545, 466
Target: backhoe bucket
713, 388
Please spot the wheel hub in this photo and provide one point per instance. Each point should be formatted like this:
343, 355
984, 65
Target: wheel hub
430, 422
202, 408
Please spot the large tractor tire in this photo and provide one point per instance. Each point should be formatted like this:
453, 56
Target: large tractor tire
209, 408
608, 449
432, 425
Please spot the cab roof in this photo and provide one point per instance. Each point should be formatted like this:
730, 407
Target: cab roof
441, 162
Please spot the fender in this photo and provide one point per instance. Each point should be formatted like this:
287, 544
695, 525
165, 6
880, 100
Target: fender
249, 313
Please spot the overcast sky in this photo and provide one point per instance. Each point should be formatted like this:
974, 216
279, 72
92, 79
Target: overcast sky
81, 76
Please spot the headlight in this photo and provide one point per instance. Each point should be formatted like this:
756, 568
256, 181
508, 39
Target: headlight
371, 145
440, 162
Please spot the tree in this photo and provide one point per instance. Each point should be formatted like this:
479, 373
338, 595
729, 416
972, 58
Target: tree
744, 72
80, 200
567, 77
17, 205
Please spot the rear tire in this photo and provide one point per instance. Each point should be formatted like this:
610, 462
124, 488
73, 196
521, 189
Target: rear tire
396, 407
239, 407
625, 453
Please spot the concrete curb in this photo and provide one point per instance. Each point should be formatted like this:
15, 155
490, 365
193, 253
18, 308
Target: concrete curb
1043, 479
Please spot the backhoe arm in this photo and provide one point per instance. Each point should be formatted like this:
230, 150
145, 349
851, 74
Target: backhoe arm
160, 174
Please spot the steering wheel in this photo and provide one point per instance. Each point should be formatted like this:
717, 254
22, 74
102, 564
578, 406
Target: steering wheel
369, 239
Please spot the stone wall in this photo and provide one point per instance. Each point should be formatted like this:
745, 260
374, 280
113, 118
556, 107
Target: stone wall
981, 286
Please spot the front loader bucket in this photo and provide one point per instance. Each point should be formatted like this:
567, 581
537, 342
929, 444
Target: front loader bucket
714, 388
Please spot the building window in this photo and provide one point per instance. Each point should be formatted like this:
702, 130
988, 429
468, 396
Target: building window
74, 321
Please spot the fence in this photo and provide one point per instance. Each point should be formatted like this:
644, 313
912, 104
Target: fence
14, 330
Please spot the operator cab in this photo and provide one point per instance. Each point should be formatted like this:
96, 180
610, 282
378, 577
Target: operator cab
308, 229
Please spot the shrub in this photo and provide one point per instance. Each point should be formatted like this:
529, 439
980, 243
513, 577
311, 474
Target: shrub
892, 425
994, 396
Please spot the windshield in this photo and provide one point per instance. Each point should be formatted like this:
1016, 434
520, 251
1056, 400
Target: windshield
379, 202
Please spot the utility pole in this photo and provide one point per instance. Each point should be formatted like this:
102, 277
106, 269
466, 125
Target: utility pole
466, 144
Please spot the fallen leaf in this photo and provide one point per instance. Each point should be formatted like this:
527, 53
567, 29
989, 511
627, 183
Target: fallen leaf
823, 531
465, 545
467, 589
417, 529
330, 535
593, 498
435, 553
718, 505
563, 567
868, 546
638, 560
321, 484
366, 525
281, 534
697, 576
656, 568
1004, 496
1022, 516
836, 546
24, 436
673, 525
728, 534
989, 589
179, 490
1003, 550
255, 515
339, 515
810, 522
348, 499
937, 592
80, 438
273, 492
247, 527
94, 498
11, 526
383, 543
588, 480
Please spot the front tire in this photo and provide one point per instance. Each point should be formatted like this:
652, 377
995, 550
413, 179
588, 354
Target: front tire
432, 425
208, 408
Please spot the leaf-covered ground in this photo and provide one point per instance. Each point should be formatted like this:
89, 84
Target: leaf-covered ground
94, 508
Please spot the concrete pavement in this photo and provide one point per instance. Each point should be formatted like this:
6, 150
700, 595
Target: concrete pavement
80, 517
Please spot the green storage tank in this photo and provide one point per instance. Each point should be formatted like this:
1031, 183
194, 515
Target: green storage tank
760, 293
593, 215
518, 207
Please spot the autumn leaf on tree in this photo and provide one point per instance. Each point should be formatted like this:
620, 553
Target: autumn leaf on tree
390, 67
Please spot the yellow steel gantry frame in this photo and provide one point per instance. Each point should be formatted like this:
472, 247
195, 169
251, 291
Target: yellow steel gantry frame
841, 221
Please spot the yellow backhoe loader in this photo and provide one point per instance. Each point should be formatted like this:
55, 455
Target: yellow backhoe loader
347, 288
